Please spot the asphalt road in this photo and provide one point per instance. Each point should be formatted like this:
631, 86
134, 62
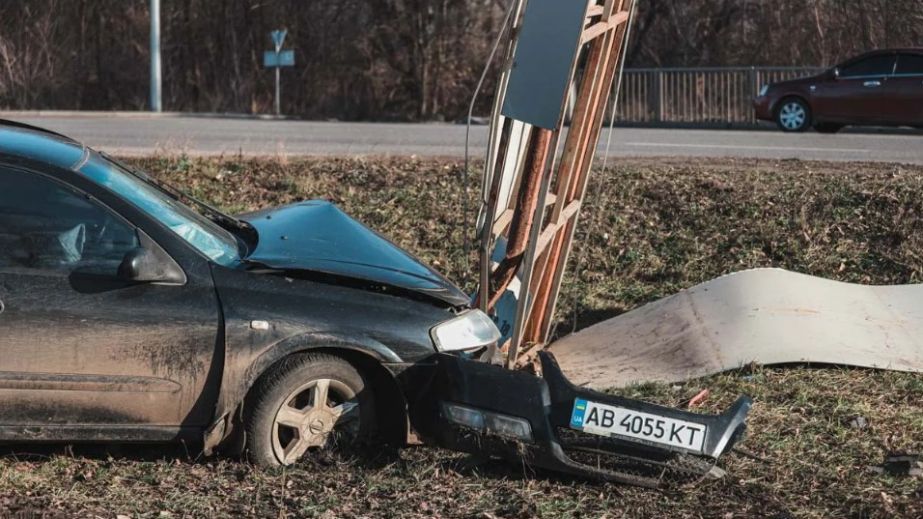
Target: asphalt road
202, 135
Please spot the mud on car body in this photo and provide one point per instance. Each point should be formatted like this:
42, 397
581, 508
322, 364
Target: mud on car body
127, 316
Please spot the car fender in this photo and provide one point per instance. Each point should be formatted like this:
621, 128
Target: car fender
315, 340
242, 371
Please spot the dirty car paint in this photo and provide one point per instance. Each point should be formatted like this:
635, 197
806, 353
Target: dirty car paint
85, 352
105, 359
305, 315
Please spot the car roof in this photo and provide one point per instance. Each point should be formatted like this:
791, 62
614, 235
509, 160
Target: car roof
908, 50
34, 143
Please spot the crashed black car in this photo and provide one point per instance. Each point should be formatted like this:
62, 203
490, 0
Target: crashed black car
127, 316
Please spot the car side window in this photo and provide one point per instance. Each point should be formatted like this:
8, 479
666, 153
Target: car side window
882, 65
910, 65
46, 226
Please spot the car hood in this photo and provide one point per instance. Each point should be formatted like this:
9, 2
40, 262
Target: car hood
317, 236
801, 81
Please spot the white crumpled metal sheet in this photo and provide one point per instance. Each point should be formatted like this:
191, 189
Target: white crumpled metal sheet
759, 316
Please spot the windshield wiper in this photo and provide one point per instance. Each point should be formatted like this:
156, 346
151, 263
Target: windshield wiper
210, 211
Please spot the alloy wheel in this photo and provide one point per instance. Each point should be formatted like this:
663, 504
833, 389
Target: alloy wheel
313, 416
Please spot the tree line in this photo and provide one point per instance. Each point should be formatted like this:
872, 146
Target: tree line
381, 59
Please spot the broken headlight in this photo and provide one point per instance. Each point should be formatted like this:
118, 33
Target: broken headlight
488, 422
471, 330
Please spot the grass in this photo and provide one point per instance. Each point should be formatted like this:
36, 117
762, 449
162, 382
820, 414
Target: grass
652, 227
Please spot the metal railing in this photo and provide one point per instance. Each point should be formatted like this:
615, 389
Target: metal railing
697, 96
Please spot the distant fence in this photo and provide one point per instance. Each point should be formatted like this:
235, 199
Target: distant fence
697, 96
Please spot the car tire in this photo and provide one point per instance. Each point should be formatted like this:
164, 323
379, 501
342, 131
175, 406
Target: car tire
283, 421
793, 115
828, 127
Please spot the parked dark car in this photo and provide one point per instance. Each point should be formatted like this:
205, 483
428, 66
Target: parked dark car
127, 316
880, 88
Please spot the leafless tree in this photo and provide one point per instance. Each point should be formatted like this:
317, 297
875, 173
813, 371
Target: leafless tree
381, 59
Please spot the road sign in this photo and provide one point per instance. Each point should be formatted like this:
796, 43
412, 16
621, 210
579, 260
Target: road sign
272, 59
278, 38
276, 59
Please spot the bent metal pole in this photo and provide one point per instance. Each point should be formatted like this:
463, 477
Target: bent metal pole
522, 223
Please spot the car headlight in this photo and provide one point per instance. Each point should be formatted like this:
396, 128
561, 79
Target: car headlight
764, 90
469, 331
487, 422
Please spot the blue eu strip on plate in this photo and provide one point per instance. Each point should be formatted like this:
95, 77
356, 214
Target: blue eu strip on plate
576, 419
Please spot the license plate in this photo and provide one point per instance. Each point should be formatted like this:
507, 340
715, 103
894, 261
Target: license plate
608, 420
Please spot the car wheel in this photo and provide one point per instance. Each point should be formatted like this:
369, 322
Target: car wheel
793, 115
828, 127
308, 402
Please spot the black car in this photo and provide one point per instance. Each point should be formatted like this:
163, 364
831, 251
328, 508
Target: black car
127, 316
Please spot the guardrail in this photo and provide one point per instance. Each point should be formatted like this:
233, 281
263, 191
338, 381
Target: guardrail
697, 96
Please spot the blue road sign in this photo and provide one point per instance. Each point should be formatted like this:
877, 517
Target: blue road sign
278, 38
272, 59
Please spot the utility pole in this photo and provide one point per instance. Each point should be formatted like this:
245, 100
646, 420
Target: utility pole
155, 58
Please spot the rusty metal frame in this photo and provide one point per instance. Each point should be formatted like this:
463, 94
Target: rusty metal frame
541, 216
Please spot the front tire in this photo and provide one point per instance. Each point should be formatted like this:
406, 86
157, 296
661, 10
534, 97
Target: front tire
793, 115
307, 402
828, 128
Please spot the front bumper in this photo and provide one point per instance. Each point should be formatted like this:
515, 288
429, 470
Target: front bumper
762, 107
546, 403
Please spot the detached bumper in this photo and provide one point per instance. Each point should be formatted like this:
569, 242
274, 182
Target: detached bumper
508, 399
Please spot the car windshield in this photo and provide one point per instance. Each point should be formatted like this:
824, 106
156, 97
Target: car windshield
214, 242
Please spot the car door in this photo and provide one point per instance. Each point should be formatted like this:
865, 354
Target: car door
84, 353
904, 91
858, 93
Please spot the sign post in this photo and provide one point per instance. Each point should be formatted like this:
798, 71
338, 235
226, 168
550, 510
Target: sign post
277, 59
155, 90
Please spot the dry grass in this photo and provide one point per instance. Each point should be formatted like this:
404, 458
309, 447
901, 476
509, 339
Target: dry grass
657, 226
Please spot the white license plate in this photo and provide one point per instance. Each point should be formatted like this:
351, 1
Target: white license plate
607, 420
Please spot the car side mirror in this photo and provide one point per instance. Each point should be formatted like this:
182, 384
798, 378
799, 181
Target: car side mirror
148, 263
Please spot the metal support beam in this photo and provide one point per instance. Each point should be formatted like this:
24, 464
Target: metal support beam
547, 212
524, 217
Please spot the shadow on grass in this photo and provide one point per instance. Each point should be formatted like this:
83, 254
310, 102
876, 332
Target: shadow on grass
132, 452
370, 457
